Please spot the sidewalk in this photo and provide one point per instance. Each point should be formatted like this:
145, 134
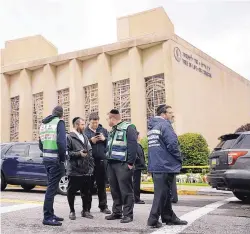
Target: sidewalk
191, 190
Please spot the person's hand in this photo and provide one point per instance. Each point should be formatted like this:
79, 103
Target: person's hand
94, 139
101, 137
130, 167
83, 154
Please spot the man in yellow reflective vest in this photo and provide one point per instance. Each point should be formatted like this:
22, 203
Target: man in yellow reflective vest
121, 156
52, 142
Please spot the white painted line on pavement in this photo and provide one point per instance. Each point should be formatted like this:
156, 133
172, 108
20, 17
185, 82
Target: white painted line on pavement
7, 209
192, 216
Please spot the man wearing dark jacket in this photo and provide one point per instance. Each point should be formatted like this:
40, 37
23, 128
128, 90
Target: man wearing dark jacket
121, 155
139, 166
97, 136
164, 161
79, 169
52, 142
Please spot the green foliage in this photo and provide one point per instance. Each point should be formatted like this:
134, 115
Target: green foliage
144, 144
194, 149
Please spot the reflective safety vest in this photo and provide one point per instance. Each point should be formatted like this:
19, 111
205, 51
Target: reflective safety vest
117, 142
48, 136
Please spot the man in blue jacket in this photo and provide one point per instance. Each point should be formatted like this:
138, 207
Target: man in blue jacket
164, 162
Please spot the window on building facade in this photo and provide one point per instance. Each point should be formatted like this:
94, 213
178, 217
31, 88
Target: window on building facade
155, 93
37, 114
90, 100
14, 119
121, 96
63, 100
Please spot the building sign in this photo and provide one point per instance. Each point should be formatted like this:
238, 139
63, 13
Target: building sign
191, 62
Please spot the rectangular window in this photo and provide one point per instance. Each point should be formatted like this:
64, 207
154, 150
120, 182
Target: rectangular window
121, 97
63, 100
19, 150
34, 151
155, 93
90, 100
37, 114
14, 119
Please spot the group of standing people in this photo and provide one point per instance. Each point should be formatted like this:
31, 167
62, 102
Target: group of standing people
93, 154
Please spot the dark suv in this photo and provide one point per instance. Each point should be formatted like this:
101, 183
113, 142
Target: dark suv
230, 165
21, 164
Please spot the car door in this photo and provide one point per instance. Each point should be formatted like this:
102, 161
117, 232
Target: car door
14, 162
36, 169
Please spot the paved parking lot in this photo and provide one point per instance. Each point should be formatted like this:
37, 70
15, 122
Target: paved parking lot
21, 212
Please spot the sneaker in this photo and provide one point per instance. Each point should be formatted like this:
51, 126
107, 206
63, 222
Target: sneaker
51, 222
87, 215
72, 215
156, 225
113, 217
126, 219
106, 211
58, 218
176, 221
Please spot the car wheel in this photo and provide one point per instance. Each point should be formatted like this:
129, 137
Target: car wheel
3, 182
63, 185
27, 188
245, 197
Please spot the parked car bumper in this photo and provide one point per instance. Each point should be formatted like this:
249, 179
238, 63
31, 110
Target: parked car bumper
230, 180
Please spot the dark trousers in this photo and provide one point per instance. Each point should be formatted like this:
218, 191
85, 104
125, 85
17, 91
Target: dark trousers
82, 183
54, 173
162, 205
174, 194
100, 176
121, 186
137, 185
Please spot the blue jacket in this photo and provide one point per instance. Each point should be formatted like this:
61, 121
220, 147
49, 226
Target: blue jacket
163, 149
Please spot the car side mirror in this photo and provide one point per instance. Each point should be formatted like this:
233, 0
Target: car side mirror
41, 155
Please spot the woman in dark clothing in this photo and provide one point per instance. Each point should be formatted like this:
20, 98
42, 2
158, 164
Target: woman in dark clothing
139, 166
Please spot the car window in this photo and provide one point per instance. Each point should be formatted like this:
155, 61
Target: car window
244, 143
34, 151
227, 142
18, 150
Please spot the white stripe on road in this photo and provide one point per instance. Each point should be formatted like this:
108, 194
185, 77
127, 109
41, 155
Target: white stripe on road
7, 209
190, 217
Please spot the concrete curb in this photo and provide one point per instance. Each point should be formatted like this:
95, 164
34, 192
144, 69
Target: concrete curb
194, 192
179, 191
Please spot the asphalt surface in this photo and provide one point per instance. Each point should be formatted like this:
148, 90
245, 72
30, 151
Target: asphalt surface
21, 212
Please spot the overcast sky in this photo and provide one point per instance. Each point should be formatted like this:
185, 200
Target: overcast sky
219, 28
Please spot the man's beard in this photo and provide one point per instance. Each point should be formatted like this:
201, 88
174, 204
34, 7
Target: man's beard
80, 130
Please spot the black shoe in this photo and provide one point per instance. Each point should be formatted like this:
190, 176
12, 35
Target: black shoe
87, 215
51, 222
106, 211
113, 217
176, 221
140, 202
58, 218
126, 219
156, 225
72, 215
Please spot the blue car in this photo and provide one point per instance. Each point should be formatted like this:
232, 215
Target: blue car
21, 164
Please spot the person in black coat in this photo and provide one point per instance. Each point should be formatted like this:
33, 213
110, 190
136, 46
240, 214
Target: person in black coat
80, 168
98, 136
139, 166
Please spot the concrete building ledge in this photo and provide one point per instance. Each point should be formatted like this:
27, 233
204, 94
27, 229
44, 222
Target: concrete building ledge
86, 53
